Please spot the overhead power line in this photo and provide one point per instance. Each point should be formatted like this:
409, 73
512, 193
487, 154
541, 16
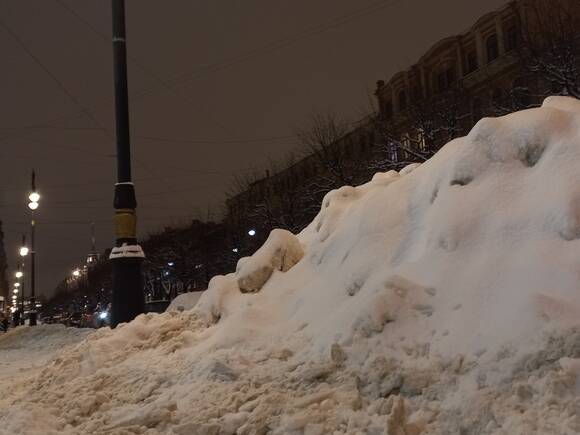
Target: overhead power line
54, 78
242, 57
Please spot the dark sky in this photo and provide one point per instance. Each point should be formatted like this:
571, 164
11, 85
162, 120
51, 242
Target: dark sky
217, 87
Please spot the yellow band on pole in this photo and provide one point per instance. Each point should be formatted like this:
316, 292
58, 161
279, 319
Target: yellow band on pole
125, 223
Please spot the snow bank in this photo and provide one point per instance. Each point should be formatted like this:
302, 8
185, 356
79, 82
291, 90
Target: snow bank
185, 301
281, 251
441, 299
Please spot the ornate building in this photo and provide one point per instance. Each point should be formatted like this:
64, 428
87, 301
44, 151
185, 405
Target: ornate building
508, 60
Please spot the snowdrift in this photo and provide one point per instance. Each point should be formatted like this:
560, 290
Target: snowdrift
442, 299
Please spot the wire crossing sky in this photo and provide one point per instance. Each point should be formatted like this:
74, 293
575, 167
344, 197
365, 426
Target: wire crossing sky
216, 89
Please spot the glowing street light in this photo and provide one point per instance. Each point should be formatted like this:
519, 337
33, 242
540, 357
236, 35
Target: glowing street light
76, 273
252, 232
23, 251
15, 291
18, 275
34, 197
33, 205
16, 284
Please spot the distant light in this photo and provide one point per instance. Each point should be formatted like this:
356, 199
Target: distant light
166, 273
235, 250
15, 291
171, 263
76, 273
252, 232
34, 197
14, 297
103, 315
23, 251
18, 274
16, 284
33, 205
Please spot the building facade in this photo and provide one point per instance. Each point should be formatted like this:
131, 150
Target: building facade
491, 69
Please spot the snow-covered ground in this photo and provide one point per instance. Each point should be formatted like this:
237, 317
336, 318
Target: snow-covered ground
443, 299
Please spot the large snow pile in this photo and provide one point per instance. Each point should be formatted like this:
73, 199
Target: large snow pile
443, 299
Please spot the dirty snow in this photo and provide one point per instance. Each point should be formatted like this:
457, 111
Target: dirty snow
439, 300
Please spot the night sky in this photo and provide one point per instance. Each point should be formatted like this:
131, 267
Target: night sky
217, 88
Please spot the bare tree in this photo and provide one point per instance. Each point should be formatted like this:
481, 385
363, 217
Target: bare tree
418, 133
324, 139
550, 44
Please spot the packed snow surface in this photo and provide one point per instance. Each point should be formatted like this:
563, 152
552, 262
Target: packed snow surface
185, 301
442, 299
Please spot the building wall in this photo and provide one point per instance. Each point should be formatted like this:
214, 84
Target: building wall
481, 71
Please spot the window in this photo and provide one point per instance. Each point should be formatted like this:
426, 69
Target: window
470, 61
387, 109
402, 100
441, 81
393, 151
492, 48
444, 79
416, 93
511, 38
421, 142
450, 74
405, 145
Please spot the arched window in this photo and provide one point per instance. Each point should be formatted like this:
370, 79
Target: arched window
402, 100
512, 38
492, 47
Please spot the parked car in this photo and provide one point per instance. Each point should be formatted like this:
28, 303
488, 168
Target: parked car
74, 319
101, 318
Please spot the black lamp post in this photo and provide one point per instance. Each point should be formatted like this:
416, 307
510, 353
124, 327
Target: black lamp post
23, 253
34, 197
127, 257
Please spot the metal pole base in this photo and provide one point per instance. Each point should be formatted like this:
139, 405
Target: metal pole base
32, 319
128, 300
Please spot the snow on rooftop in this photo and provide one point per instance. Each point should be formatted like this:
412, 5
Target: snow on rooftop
441, 299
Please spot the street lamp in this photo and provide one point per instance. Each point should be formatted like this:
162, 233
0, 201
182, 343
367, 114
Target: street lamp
128, 298
20, 274
76, 273
252, 232
34, 197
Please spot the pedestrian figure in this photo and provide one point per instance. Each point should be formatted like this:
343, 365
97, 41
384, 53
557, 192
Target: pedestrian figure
5, 323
